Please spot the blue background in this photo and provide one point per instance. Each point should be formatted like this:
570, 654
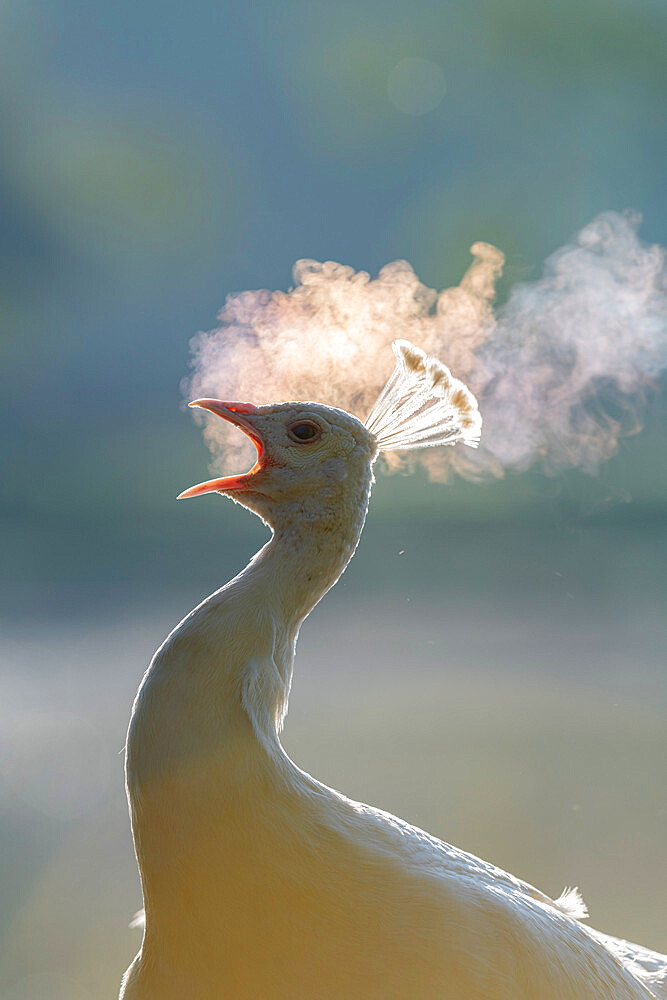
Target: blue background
499, 681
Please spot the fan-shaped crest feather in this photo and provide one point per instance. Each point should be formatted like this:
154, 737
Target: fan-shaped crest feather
423, 405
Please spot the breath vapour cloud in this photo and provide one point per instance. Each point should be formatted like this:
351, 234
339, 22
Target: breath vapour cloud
560, 370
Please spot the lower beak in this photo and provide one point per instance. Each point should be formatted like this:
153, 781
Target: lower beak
239, 414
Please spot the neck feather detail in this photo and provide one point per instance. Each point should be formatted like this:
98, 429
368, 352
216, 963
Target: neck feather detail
289, 576
217, 689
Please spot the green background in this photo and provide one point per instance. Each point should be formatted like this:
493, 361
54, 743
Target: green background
491, 665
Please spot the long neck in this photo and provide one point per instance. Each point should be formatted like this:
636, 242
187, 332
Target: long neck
286, 579
204, 730
300, 564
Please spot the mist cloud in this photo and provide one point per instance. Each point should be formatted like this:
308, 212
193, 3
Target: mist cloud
560, 370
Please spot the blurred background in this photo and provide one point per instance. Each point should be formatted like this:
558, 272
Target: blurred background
491, 666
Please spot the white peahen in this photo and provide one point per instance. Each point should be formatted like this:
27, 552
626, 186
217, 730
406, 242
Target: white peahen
261, 883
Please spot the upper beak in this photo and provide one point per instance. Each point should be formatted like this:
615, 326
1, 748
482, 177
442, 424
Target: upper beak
239, 414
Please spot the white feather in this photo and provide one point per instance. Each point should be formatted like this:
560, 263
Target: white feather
423, 405
262, 883
572, 903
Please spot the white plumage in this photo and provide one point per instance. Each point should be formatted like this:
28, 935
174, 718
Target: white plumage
259, 882
423, 405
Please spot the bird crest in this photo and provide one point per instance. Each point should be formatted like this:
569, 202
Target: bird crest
423, 405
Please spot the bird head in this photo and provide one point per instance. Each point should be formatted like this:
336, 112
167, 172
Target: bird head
311, 460
316, 461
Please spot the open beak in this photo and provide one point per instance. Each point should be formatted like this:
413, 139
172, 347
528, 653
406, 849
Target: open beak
237, 414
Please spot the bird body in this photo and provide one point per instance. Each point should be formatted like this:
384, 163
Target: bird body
261, 883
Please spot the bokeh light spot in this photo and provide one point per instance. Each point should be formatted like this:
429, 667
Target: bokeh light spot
416, 86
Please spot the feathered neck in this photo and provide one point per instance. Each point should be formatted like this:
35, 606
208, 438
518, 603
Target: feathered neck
204, 733
288, 577
302, 561
232, 656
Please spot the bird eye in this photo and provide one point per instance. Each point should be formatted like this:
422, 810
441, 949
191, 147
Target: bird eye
304, 431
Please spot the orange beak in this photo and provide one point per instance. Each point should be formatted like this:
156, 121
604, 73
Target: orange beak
237, 414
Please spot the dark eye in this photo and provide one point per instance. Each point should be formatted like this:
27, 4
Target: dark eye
305, 430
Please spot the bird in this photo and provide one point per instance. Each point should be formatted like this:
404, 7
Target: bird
260, 882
